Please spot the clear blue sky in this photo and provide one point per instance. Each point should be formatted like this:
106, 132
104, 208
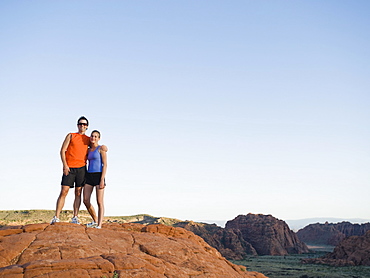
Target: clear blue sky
210, 109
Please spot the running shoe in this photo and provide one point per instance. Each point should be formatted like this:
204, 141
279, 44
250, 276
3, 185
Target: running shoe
97, 227
93, 224
54, 220
75, 220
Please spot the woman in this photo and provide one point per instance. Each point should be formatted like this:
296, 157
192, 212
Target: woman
95, 177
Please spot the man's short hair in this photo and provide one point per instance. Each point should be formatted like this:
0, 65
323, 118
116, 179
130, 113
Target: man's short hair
83, 118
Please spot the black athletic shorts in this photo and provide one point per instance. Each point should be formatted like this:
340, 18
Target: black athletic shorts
76, 177
93, 178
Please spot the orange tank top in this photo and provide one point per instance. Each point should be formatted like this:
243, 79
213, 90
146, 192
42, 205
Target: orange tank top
76, 153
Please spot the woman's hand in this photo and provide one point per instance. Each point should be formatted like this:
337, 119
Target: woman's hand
102, 185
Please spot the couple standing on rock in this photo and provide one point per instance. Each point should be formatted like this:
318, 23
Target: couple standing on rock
76, 149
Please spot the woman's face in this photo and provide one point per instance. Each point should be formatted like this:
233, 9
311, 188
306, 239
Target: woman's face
94, 138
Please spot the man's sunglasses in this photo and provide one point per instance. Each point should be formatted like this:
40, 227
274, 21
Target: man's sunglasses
85, 124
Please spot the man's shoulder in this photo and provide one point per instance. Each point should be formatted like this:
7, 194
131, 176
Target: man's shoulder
79, 136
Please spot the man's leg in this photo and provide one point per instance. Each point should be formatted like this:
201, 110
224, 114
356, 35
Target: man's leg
80, 182
88, 189
77, 202
61, 199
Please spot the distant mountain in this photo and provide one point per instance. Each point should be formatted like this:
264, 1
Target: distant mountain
220, 223
295, 225
331, 234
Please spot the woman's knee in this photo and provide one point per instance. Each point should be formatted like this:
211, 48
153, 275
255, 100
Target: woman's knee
87, 202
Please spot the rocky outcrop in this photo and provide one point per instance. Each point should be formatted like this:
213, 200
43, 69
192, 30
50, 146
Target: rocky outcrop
130, 250
351, 251
228, 242
249, 235
267, 234
331, 234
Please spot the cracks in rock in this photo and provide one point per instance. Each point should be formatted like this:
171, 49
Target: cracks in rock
88, 234
60, 253
133, 241
17, 258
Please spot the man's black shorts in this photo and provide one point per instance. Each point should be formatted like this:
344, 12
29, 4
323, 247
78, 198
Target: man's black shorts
76, 177
93, 178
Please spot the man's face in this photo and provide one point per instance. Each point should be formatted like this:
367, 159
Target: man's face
82, 125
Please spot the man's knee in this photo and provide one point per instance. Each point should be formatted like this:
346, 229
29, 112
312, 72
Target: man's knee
78, 191
64, 191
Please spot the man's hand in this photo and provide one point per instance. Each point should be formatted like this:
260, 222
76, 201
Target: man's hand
66, 170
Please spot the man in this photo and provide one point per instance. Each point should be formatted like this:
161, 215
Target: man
73, 154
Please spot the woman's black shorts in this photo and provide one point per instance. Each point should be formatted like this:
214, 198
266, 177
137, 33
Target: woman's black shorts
93, 178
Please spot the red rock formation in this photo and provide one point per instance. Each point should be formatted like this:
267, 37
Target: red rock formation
131, 250
331, 234
352, 250
249, 235
268, 235
228, 242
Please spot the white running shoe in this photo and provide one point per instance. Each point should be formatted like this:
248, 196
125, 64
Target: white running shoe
54, 220
97, 227
75, 220
93, 224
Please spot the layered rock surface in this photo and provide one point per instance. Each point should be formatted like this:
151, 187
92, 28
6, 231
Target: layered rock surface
354, 250
331, 234
130, 250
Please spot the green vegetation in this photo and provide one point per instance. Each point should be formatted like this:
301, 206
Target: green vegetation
23, 217
143, 219
290, 266
115, 275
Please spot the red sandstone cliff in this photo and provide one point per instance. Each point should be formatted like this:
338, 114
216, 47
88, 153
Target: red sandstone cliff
131, 250
249, 235
267, 234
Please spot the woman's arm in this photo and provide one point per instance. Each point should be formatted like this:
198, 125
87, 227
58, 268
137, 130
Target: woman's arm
103, 154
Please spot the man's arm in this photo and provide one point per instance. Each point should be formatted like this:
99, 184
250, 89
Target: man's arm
63, 150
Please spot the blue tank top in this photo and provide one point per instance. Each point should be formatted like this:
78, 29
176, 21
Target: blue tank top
95, 163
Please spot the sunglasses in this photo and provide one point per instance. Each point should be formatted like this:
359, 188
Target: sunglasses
85, 124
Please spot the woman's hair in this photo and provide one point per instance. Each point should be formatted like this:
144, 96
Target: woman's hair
98, 132
83, 118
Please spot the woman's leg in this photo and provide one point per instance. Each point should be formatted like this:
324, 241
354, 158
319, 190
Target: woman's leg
100, 200
88, 189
